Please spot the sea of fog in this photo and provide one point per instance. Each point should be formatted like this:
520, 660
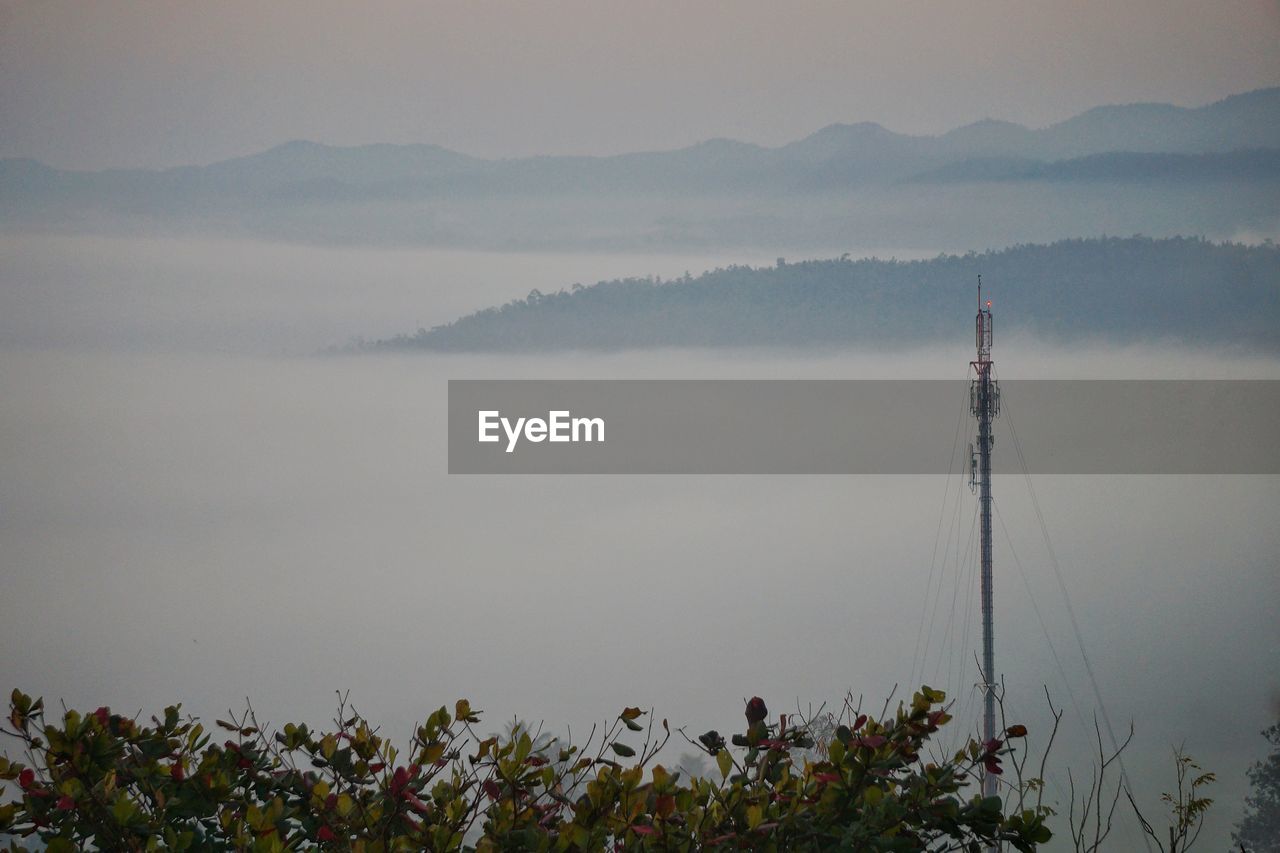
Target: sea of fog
194, 507
245, 296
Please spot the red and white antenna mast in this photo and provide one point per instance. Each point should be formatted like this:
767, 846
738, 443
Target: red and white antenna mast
984, 402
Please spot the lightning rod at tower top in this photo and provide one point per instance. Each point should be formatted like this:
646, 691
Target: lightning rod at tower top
984, 403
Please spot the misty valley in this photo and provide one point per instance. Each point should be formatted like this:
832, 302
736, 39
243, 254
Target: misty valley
223, 442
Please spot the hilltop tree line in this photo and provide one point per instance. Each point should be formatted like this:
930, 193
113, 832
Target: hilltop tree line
1124, 290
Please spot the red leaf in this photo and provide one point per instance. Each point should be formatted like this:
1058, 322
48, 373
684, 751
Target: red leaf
1016, 731
664, 805
860, 722
377, 768
643, 829
27, 778
326, 834
827, 777
66, 803
416, 804
870, 741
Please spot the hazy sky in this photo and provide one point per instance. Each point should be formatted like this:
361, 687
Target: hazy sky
106, 83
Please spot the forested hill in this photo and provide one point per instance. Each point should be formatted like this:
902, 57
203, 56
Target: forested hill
1122, 290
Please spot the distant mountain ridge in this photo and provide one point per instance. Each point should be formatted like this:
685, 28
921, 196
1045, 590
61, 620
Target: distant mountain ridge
1142, 168
1123, 166
847, 154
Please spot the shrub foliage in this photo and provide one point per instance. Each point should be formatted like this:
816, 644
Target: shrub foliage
109, 781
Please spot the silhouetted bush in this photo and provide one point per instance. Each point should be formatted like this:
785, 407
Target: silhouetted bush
105, 780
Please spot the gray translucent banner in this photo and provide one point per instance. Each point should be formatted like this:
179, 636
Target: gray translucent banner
860, 427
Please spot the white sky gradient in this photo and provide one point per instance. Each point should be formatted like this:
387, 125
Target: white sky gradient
150, 84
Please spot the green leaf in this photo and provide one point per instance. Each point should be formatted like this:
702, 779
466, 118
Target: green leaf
725, 762
123, 810
622, 749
